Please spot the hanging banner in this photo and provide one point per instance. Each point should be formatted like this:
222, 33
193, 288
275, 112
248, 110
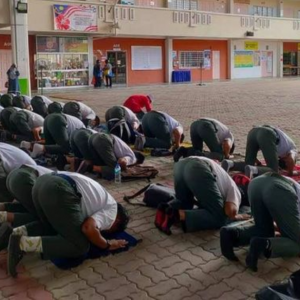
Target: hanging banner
243, 59
207, 59
75, 17
47, 44
251, 45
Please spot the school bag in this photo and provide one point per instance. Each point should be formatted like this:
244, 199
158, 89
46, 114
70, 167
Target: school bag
289, 290
72, 109
139, 172
121, 129
154, 194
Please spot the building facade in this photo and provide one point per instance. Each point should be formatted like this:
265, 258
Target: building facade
56, 43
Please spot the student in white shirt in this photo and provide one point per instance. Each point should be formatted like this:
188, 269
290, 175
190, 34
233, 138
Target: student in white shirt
22, 101
79, 209
82, 112
11, 158
216, 194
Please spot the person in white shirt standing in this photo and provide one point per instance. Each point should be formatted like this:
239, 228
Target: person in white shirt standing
11, 158
79, 209
216, 194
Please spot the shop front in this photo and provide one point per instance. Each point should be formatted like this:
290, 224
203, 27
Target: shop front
291, 59
61, 62
5, 59
253, 59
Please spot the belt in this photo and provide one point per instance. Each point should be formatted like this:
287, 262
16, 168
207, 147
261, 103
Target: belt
70, 181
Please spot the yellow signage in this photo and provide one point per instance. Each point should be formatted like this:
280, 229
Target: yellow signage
243, 59
298, 46
250, 45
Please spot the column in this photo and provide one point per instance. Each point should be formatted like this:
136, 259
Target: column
91, 58
280, 8
169, 59
230, 49
230, 8
280, 59
20, 45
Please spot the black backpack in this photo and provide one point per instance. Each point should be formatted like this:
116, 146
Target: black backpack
121, 129
72, 109
154, 194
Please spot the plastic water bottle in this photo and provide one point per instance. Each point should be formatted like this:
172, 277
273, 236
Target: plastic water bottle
117, 174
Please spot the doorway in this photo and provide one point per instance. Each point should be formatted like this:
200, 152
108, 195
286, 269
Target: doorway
267, 64
118, 61
216, 64
5, 63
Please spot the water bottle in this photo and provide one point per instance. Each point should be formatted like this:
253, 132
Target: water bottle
117, 174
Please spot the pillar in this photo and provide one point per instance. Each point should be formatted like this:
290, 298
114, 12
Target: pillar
169, 59
20, 45
91, 58
280, 59
280, 8
230, 50
230, 8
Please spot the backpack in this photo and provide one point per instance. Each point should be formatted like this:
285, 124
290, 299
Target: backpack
121, 129
139, 172
72, 109
289, 290
154, 194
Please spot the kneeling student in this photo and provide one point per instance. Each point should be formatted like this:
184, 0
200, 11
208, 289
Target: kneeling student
79, 209
274, 199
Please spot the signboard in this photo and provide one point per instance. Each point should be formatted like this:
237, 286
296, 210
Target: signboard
242, 1
298, 46
146, 58
243, 59
75, 17
75, 44
47, 44
251, 45
207, 59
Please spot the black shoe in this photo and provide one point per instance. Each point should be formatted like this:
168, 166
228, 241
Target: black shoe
84, 167
5, 232
61, 162
228, 239
180, 152
258, 246
15, 254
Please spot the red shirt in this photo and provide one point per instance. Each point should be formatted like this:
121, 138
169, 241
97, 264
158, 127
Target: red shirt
137, 102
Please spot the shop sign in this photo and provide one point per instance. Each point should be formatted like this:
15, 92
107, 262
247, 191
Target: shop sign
251, 45
75, 44
298, 46
75, 17
116, 47
242, 1
243, 59
47, 44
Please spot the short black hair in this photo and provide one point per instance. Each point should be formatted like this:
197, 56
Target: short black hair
122, 218
55, 107
97, 120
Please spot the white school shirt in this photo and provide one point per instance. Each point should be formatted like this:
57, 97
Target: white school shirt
226, 185
73, 124
130, 117
41, 170
27, 100
122, 150
172, 123
35, 120
13, 158
96, 202
285, 145
86, 111
1, 108
223, 133
46, 100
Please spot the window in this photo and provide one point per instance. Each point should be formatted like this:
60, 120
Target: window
184, 4
190, 59
264, 11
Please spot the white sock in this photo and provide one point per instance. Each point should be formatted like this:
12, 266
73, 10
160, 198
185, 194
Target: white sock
31, 244
37, 150
22, 230
3, 216
26, 145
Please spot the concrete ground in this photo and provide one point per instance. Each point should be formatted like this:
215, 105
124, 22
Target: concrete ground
180, 266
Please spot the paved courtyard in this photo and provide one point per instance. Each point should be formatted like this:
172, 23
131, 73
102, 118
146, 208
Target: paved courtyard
180, 266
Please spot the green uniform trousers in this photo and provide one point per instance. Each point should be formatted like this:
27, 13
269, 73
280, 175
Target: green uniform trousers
56, 134
19, 120
5, 119
20, 183
39, 107
193, 178
156, 131
273, 199
79, 143
59, 206
264, 139
101, 148
115, 112
5, 195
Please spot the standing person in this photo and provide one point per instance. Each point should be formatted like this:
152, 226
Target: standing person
108, 73
13, 81
97, 72
136, 103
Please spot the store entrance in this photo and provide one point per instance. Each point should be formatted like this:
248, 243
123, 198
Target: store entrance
5, 63
118, 62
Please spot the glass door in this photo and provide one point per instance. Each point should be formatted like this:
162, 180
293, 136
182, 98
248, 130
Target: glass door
118, 62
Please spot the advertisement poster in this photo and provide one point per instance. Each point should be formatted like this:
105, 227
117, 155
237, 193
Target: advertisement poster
243, 59
75, 17
76, 44
207, 59
251, 45
47, 44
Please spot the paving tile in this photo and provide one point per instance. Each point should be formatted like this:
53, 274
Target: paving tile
69, 289
176, 294
140, 280
155, 275
162, 288
110, 284
214, 291
190, 283
122, 292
